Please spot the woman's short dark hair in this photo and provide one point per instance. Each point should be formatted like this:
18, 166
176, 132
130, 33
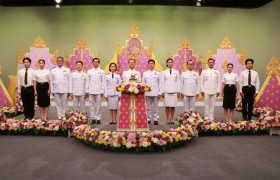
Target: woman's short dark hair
211, 59
230, 64
248, 60
81, 62
95, 59
26, 58
42, 61
151, 60
169, 59
113, 64
190, 61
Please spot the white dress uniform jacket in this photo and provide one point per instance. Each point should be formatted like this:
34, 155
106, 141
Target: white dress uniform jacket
127, 74
190, 83
78, 83
170, 82
152, 78
111, 84
95, 81
60, 80
210, 81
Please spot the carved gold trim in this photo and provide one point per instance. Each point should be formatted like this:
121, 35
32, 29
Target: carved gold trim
39, 43
226, 44
224, 66
150, 49
20, 55
54, 56
185, 44
209, 55
273, 67
98, 54
243, 56
81, 44
134, 31
118, 49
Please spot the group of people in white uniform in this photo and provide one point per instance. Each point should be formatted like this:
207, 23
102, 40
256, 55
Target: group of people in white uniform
169, 85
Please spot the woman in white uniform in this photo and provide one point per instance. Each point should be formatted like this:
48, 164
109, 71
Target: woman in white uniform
171, 90
112, 80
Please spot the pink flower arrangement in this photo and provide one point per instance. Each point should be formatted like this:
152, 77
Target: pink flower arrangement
133, 88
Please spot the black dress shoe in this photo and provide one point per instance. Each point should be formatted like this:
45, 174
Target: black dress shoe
98, 122
149, 122
93, 121
114, 123
155, 123
111, 123
172, 123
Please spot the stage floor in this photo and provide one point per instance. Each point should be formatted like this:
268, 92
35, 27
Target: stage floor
212, 157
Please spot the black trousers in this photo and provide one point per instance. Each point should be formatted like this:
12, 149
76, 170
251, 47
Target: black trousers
248, 101
27, 96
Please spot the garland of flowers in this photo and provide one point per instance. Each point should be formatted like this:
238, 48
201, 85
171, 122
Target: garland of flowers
41, 127
267, 119
189, 126
15, 110
133, 88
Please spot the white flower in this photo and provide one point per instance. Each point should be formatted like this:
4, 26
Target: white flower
145, 144
128, 145
130, 89
136, 91
155, 140
56, 128
106, 138
115, 144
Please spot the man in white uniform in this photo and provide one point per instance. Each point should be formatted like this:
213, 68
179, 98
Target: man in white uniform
95, 89
60, 86
152, 79
190, 87
131, 71
78, 86
210, 88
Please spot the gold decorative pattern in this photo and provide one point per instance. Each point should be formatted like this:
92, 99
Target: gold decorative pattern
118, 49
54, 56
209, 55
39, 43
243, 56
224, 66
66, 58
273, 67
150, 49
81, 44
200, 58
134, 31
226, 44
170, 55
20, 55
0, 70
185, 44
98, 54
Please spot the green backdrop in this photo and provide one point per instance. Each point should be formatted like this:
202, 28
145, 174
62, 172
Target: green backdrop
101, 26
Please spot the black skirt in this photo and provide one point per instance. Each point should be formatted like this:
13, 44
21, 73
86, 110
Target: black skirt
229, 96
43, 99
